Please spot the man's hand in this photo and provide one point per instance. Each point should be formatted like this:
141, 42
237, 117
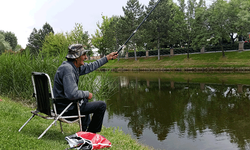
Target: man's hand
90, 95
112, 55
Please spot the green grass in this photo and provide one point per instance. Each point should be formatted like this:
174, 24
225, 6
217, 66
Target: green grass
232, 59
13, 115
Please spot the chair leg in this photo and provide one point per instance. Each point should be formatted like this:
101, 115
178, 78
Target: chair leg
79, 114
55, 120
26, 122
47, 128
61, 126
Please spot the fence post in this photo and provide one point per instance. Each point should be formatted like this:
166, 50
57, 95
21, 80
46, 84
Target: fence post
203, 50
146, 53
240, 88
202, 85
171, 51
241, 46
126, 56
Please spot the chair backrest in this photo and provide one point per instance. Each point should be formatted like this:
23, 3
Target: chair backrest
42, 84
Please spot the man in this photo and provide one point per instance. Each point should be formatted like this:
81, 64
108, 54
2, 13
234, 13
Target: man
66, 86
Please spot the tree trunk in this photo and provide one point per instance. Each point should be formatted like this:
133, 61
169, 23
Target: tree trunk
223, 54
188, 48
135, 53
117, 46
159, 48
232, 38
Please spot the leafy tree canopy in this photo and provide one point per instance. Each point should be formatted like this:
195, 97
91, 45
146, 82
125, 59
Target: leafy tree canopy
4, 45
11, 38
104, 38
77, 35
37, 37
55, 44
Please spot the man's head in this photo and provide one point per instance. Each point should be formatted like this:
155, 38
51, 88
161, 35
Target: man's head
77, 53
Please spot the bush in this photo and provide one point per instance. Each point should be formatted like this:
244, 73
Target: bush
246, 45
138, 54
234, 46
226, 47
2, 48
162, 52
55, 44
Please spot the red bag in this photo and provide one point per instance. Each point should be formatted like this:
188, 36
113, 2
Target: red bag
87, 141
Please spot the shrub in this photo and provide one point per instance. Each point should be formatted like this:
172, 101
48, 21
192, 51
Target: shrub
55, 44
246, 45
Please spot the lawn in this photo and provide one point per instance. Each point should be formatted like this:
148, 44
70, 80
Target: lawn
232, 59
14, 114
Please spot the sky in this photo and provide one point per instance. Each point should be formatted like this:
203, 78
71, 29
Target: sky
22, 16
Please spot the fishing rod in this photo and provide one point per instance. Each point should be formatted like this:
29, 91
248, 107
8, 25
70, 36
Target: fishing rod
121, 47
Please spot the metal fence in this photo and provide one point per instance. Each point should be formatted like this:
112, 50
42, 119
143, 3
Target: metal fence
178, 50
185, 50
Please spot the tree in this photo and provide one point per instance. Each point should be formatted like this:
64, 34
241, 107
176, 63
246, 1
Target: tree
2, 48
242, 24
11, 39
104, 38
37, 37
18, 47
4, 45
190, 17
97, 41
108, 34
45, 31
34, 43
115, 29
180, 23
233, 11
2, 32
55, 44
160, 25
219, 26
200, 26
77, 35
133, 13
177, 25
149, 27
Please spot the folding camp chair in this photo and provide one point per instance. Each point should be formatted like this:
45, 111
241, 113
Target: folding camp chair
42, 86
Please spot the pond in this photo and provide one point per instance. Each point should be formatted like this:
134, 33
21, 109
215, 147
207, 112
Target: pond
182, 111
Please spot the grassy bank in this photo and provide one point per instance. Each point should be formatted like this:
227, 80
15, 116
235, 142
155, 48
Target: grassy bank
235, 59
15, 83
13, 115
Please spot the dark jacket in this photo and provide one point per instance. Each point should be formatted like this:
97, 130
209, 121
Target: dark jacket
67, 77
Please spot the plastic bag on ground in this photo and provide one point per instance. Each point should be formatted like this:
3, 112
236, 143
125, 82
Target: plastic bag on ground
87, 141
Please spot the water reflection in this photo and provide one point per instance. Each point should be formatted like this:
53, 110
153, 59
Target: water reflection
186, 109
